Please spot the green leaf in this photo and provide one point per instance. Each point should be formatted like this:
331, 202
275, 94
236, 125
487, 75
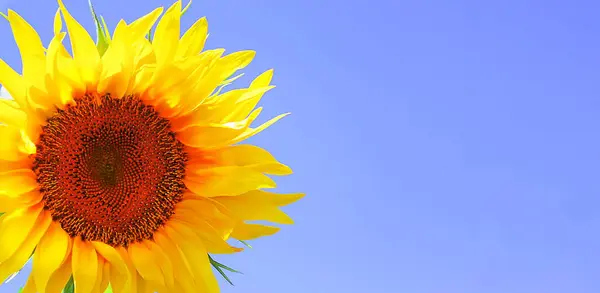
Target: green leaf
70, 287
245, 243
219, 267
102, 41
20, 290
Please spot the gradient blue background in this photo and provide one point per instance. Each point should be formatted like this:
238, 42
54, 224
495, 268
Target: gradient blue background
445, 146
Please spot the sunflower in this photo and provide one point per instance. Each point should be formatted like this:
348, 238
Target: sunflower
121, 163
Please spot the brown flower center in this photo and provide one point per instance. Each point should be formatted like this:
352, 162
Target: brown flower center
110, 170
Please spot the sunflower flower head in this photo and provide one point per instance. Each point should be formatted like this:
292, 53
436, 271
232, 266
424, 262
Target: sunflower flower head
121, 162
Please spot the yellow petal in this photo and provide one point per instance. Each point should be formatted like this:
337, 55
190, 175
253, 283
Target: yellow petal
57, 25
145, 263
211, 238
212, 212
242, 155
227, 181
163, 261
253, 131
196, 257
99, 277
193, 40
119, 273
18, 259
50, 254
17, 181
131, 284
181, 272
166, 37
30, 47
216, 135
11, 114
60, 277
141, 26
30, 286
85, 266
245, 231
85, 53
14, 84
12, 202
14, 228
260, 205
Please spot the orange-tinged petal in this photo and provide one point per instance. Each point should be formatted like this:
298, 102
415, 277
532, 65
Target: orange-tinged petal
163, 262
50, 254
99, 277
14, 228
119, 273
85, 54
11, 202
227, 181
181, 272
196, 257
60, 277
260, 206
18, 259
145, 263
211, 238
17, 181
85, 266
216, 135
244, 231
30, 286
249, 156
131, 284
6, 166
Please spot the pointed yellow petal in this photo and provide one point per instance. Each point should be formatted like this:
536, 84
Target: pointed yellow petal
145, 263
85, 266
50, 254
141, 26
29, 286
30, 47
57, 25
18, 259
181, 272
166, 37
85, 53
119, 273
17, 181
249, 156
14, 228
227, 181
193, 40
216, 135
196, 257
14, 84
60, 277
245, 231
260, 205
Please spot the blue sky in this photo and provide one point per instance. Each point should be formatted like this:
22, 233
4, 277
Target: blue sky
443, 147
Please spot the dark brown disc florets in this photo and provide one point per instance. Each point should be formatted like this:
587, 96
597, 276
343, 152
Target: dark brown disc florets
110, 170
